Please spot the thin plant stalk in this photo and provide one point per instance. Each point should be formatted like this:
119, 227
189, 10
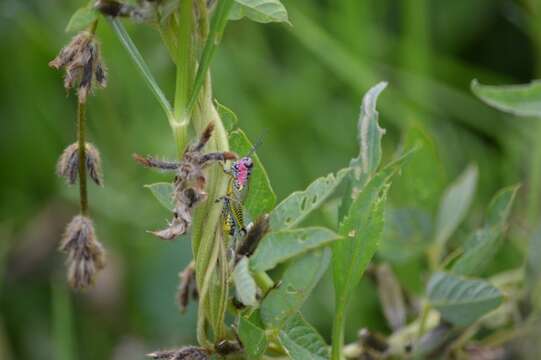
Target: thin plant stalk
81, 128
143, 68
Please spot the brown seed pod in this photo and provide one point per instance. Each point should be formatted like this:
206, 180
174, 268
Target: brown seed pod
81, 60
86, 255
68, 164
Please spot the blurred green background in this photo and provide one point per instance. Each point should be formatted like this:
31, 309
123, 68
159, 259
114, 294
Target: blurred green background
302, 83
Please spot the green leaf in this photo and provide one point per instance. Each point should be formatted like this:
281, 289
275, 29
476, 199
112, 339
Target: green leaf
407, 229
253, 339
244, 283
362, 229
229, 118
500, 206
462, 301
485, 243
455, 204
262, 11
370, 134
521, 100
422, 179
163, 192
283, 245
81, 19
297, 283
293, 209
260, 198
301, 341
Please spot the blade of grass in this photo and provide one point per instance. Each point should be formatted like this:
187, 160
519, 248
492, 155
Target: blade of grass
143, 68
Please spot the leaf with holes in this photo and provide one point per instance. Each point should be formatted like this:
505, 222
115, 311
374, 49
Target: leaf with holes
244, 283
369, 136
260, 198
262, 11
253, 338
293, 209
283, 245
298, 281
81, 19
301, 341
521, 100
163, 192
462, 301
455, 204
362, 229
486, 242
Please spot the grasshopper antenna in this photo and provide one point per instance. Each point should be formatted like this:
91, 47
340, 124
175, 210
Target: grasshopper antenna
258, 142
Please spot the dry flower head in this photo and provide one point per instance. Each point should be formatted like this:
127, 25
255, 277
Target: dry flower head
81, 59
86, 255
68, 164
184, 353
189, 183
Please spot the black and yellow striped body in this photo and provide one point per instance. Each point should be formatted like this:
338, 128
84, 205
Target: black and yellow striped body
232, 214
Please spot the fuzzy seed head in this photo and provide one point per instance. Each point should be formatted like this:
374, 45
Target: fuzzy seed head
68, 164
185, 353
81, 60
86, 255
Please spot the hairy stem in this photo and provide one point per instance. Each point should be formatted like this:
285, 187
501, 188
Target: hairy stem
81, 119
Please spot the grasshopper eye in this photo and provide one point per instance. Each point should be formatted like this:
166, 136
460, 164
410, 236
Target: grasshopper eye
248, 162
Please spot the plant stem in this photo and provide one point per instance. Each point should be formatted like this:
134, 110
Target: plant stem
214, 37
143, 68
338, 331
81, 120
422, 320
264, 281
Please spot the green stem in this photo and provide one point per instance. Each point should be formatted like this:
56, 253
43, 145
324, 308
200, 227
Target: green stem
185, 73
263, 281
143, 68
423, 320
338, 331
214, 37
81, 120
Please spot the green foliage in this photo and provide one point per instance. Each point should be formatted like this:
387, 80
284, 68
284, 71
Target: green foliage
298, 281
261, 197
81, 19
298, 205
301, 341
520, 100
229, 118
462, 301
484, 243
454, 205
370, 134
244, 283
253, 338
163, 192
362, 230
280, 246
262, 11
